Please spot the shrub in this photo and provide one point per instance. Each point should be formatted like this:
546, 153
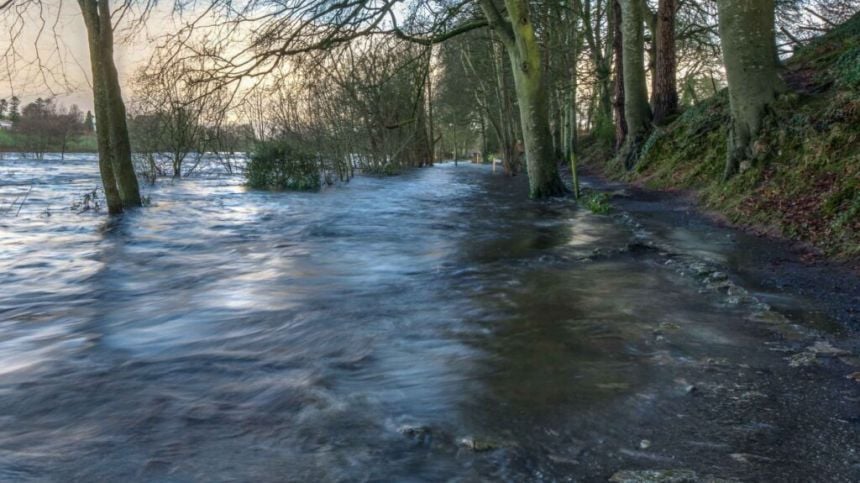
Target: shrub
283, 165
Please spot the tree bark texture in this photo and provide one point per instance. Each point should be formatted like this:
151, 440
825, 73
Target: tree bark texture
664, 96
637, 111
115, 164
749, 54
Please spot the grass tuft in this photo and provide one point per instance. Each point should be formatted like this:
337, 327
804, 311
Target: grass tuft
597, 202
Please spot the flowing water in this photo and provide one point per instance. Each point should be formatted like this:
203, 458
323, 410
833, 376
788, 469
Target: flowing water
428, 327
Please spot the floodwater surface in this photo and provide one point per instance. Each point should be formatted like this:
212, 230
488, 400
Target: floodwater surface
432, 326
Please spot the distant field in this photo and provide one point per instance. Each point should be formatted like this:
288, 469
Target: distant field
6, 139
10, 142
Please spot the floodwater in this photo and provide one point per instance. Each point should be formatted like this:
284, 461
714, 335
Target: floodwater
433, 326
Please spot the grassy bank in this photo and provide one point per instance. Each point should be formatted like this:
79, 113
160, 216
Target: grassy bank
804, 181
14, 143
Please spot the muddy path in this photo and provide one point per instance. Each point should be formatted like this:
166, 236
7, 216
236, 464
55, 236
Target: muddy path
769, 264
805, 308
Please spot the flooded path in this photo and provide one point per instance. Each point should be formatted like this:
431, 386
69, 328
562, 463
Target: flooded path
429, 327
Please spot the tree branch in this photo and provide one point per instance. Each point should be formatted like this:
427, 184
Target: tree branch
439, 38
497, 22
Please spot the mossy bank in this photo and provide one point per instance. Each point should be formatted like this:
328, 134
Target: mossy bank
803, 182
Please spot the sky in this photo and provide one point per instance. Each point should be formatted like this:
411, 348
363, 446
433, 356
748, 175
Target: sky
61, 48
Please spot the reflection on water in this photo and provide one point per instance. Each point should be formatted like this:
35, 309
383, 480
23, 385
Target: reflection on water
356, 334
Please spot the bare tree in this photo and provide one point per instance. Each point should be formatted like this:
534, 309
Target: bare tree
279, 30
115, 165
180, 107
43, 126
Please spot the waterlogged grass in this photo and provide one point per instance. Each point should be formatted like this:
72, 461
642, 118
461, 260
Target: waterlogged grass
10, 141
7, 141
804, 179
387, 169
84, 144
597, 202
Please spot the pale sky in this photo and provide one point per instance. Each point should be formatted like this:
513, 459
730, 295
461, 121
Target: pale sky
65, 55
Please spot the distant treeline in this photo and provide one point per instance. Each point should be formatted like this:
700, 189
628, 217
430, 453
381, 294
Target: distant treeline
43, 126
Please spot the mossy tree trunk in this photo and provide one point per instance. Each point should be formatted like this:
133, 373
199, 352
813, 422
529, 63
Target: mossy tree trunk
560, 128
509, 124
520, 41
565, 124
570, 140
604, 82
126, 180
618, 82
664, 95
89, 10
428, 105
749, 54
115, 164
637, 111
571, 121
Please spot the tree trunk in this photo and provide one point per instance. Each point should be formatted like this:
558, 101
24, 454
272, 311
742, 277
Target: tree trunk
153, 169
506, 113
89, 10
524, 53
120, 180
664, 96
544, 180
570, 107
555, 126
636, 108
618, 84
565, 124
650, 19
485, 145
126, 179
501, 118
603, 113
431, 141
573, 122
749, 54
525, 57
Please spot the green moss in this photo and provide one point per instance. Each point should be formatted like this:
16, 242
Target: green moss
698, 134
848, 68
